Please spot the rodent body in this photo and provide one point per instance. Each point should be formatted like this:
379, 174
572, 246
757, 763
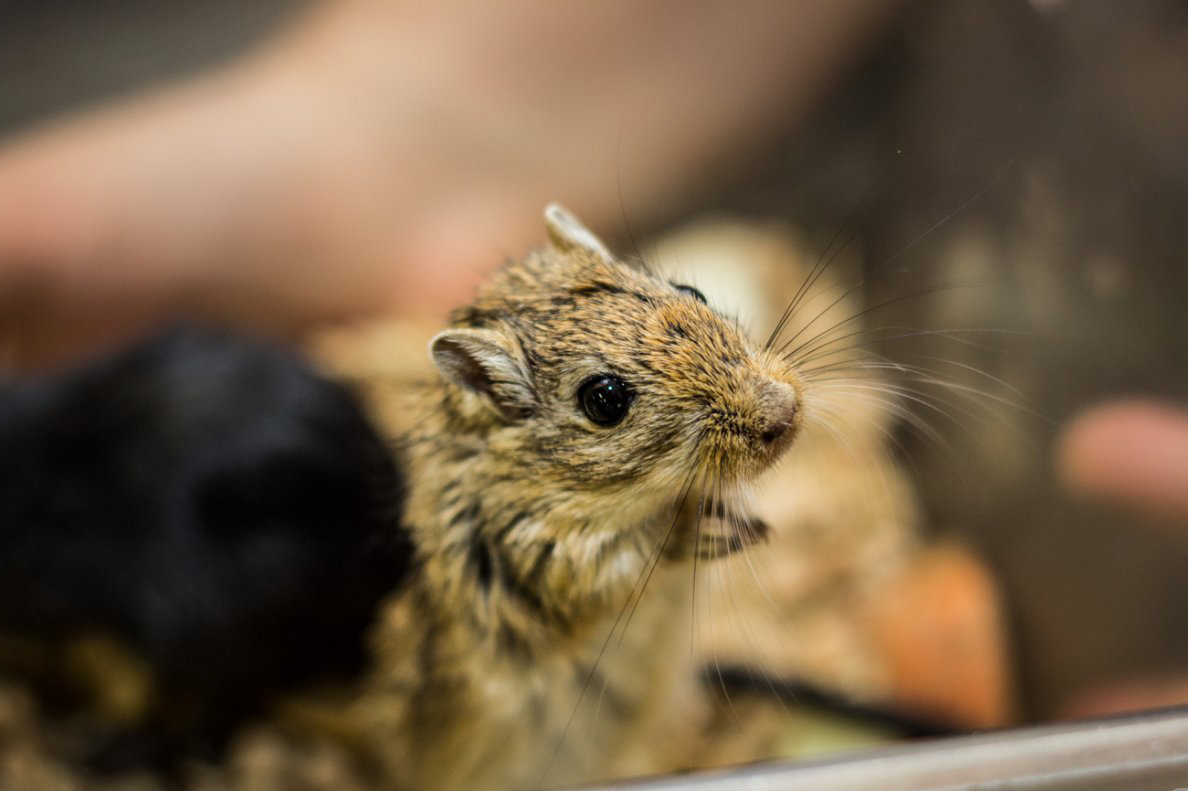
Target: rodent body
534, 525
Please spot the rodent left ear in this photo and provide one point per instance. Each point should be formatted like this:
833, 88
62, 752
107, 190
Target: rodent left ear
566, 233
489, 364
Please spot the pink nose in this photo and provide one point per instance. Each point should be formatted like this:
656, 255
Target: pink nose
781, 425
782, 410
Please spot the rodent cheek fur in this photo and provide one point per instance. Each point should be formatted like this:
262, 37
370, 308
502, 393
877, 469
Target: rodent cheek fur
743, 404
707, 406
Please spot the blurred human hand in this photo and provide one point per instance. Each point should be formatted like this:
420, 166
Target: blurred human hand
257, 197
1132, 454
380, 156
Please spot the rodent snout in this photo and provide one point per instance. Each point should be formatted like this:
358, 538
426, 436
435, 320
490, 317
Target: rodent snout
776, 431
781, 412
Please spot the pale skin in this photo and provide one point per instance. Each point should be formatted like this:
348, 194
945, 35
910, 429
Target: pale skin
1131, 455
380, 157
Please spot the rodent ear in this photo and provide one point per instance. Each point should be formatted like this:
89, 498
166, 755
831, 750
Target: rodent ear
487, 363
566, 233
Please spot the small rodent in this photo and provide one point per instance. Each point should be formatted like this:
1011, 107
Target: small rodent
589, 434
213, 504
586, 416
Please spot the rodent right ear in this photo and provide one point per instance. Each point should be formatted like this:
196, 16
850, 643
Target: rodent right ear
489, 364
567, 233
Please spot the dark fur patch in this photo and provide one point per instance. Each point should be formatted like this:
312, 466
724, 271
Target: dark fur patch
542, 561
599, 287
212, 503
481, 561
466, 516
511, 524
676, 330
526, 593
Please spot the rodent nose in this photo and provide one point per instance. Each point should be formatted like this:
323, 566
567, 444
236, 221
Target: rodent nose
781, 425
783, 410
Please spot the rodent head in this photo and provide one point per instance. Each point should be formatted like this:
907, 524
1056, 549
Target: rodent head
598, 375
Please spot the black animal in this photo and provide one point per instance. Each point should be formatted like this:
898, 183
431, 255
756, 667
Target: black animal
214, 504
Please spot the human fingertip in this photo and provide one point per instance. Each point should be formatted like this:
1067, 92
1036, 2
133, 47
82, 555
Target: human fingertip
1132, 452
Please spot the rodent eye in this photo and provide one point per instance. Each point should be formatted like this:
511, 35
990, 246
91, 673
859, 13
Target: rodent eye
697, 295
605, 399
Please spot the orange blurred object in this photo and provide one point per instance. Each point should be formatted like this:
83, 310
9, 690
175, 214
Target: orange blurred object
941, 628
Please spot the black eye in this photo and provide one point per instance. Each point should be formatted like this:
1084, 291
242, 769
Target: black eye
605, 399
697, 295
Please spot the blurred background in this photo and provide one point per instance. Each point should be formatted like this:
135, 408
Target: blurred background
1048, 137
62, 56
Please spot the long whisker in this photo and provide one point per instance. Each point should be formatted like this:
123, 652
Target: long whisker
749, 633
930, 377
637, 254
657, 557
693, 615
720, 568
822, 263
897, 255
640, 584
783, 350
877, 335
